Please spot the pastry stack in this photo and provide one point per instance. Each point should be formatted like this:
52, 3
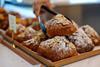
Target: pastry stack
63, 38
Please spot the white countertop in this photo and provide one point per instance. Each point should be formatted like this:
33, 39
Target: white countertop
9, 59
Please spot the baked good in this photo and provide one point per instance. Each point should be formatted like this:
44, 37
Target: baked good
92, 34
21, 21
35, 41
56, 48
29, 30
3, 19
2, 11
27, 34
29, 21
40, 34
32, 43
82, 42
20, 29
4, 24
3, 14
59, 26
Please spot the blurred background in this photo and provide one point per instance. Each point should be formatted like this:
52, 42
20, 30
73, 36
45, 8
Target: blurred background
81, 11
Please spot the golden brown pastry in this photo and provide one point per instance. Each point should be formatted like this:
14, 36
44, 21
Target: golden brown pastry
92, 34
2, 11
82, 42
27, 34
3, 14
60, 26
35, 41
57, 48
20, 29
3, 19
21, 21
29, 21
4, 24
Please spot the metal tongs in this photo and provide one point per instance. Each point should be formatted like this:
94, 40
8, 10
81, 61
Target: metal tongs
42, 26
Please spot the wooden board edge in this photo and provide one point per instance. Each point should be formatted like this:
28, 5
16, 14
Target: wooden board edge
20, 53
77, 58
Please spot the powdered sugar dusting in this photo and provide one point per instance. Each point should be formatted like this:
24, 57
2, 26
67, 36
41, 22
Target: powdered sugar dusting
90, 31
29, 30
59, 19
32, 41
79, 38
20, 28
57, 43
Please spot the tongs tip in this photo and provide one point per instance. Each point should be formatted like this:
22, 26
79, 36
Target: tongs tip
42, 26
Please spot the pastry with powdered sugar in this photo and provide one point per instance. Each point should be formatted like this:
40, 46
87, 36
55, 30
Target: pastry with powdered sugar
57, 48
60, 26
82, 42
92, 34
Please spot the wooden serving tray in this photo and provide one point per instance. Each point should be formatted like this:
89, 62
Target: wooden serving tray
19, 52
48, 62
